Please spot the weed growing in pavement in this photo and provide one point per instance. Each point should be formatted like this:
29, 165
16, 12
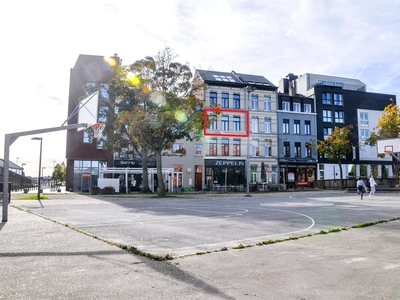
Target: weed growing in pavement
334, 229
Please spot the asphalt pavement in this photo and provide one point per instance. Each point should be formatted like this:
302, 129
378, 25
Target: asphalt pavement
43, 256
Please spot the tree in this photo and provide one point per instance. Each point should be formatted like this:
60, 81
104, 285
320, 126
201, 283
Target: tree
387, 127
59, 173
166, 110
336, 146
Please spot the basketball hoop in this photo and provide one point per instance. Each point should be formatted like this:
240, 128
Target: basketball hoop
387, 152
97, 129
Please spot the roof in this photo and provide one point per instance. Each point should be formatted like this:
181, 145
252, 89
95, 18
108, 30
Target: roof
235, 79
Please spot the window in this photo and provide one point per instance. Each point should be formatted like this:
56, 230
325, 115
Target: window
225, 123
254, 102
297, 149
286, 149
225, 100
326, 98
307, 108
339, 117
296, 128
213, 98
236, 123
87, 138
364, 118
236, 147
307, 127
285, 105
267, 125
176, 147
254, 124
224, 147
285, 126
326, 115
267, 103
338, 99
308, 149
254, 148
213, 147
296, 106
236, 101
267, 151
364, 134
327, 131
339, 84
214, 125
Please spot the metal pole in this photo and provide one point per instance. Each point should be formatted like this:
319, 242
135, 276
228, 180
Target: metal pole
248, 89
40, 165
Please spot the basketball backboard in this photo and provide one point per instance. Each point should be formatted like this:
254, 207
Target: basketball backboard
88, 110
392, 145
228, 122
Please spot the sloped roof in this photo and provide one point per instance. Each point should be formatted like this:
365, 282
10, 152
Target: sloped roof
235, 79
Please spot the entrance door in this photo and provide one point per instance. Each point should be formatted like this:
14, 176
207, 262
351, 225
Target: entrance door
198, 186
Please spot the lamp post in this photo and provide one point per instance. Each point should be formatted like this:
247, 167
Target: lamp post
248, 89
23, 173
40, 162
43, 174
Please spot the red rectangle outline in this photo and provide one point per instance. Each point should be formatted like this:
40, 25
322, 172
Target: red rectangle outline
221, 110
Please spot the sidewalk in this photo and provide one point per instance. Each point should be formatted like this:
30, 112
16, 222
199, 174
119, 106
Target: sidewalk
41, 259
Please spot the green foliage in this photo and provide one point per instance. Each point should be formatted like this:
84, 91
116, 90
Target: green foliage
387, 127
60, 173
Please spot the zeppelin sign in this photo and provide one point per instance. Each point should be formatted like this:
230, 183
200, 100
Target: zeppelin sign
224, 163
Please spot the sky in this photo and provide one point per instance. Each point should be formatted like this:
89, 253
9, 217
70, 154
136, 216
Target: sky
41, 41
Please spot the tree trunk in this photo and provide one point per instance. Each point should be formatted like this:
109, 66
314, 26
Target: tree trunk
341, 174
145, 157
160, 177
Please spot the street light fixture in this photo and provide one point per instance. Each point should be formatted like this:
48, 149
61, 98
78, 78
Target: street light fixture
40, 162
248, 89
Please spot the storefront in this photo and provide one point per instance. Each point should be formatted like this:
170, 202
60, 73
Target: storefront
223, 173
296, 174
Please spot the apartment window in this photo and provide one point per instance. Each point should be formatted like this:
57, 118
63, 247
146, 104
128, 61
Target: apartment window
214, 125
285, 105
327, 131
254, 102
296, 128
296, 106
364, 118
213, 98
326, 115
236, 123
224, 147
213, 147
326, 98
308, 149
236, 101
225, 100
285, 126
267, 103
338, 99
307, 127
254, 124
267, 125
254, 149
339, 84
339, 117
364, 134
225, 123
307, 108
297, 149
87, 138
286, 149
267, 151
236, 147
177, 147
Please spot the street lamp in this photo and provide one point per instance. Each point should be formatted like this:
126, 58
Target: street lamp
248, 89
40, 162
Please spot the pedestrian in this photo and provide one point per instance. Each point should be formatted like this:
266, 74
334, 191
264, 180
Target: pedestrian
361, 187
372, 184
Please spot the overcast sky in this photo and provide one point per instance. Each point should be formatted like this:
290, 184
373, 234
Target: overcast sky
41, 41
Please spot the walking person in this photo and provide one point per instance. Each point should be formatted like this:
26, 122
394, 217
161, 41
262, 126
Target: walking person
372, 184
361, 187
